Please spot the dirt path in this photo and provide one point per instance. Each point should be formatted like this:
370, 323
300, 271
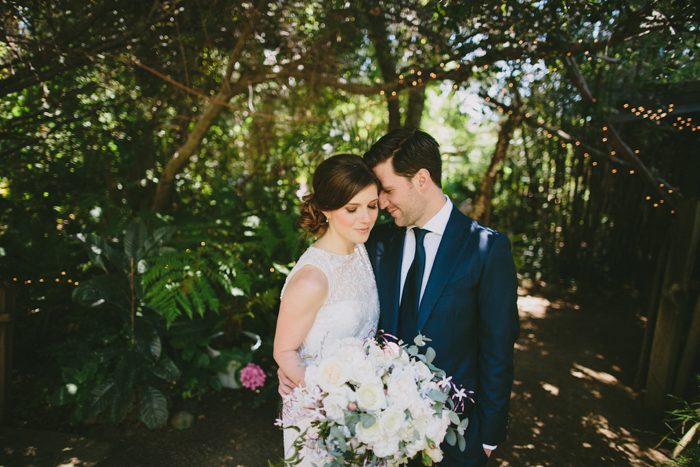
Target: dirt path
572, 402
572, 399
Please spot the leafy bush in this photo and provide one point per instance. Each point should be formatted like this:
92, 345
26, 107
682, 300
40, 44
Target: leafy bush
164, 314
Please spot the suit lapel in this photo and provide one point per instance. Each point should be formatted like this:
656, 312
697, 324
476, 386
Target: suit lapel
390, 278
446, 259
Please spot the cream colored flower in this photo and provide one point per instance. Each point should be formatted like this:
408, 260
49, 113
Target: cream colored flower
332, 374
371, 397
392, 420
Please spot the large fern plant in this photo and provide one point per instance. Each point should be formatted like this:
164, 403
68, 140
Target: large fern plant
189, 282
150, 278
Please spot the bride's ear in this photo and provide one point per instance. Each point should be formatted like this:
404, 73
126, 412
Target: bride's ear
326, 215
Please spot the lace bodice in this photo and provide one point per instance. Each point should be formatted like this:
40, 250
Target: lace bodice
351, 308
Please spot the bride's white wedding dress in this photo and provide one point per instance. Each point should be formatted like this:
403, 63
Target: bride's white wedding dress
351, 309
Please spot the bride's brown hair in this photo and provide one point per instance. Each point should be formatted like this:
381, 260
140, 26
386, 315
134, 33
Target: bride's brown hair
336, 181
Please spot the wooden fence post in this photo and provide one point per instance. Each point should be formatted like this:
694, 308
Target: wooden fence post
675, 306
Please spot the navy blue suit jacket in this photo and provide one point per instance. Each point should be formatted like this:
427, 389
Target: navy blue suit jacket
468, 309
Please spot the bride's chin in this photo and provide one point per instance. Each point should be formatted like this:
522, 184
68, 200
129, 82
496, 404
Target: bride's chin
362, 238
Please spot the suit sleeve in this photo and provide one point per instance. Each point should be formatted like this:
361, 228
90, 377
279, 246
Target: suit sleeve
498, 330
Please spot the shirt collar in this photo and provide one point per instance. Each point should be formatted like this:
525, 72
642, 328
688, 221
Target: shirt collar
438, 223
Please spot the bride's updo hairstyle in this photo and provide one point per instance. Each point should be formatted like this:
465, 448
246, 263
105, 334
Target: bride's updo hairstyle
336, 181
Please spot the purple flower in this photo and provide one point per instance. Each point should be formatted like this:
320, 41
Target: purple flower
252, 376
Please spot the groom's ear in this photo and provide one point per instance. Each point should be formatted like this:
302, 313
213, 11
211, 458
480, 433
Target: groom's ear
422, 179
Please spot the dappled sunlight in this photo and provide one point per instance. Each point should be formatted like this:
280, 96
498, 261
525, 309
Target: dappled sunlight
572, 401
580, 371
550, 388
620, 439
533, 307
32, 447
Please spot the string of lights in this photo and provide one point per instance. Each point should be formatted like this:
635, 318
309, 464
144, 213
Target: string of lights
61, 278
663, 189
660, 113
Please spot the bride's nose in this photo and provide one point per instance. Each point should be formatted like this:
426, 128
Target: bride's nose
365, 216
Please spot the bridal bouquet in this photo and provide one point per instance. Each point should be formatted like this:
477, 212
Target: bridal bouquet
375, 404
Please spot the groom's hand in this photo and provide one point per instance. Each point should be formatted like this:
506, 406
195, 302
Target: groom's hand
286, 385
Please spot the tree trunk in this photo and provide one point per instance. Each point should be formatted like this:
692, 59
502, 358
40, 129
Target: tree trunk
482, 205
376, 25
164, 190
674, 312
416, 102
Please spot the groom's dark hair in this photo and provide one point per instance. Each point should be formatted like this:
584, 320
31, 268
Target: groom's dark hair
410, 150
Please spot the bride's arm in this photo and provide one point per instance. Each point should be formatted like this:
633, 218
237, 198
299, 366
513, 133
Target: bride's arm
302, 299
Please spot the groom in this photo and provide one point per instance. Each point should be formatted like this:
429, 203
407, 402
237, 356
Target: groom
441, 274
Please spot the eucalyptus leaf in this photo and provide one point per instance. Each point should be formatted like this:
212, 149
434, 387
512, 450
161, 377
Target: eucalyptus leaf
451, 437
462, 443
437, 395
430, 355
368, 420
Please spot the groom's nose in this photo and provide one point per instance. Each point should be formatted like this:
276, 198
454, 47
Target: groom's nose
383, 200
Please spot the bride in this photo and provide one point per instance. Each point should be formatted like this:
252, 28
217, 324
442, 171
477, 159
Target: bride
330, 293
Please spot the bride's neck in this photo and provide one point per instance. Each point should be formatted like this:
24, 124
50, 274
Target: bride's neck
331, 241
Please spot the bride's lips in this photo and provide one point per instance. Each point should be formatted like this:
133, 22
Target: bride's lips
363, 231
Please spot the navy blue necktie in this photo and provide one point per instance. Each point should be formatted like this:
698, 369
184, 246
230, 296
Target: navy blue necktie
410, 299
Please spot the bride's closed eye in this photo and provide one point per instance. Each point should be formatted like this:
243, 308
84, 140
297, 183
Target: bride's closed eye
352, 210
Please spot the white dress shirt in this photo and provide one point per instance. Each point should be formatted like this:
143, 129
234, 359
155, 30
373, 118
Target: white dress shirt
436, 228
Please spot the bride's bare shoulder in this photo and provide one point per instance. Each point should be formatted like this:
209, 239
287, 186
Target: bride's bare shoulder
309, 283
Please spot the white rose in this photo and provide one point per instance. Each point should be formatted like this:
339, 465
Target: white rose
332, 374
362, 372
401, 389
370, 397
334, 406
422, 371
392, 420
420, 425
437, 427
386, 447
